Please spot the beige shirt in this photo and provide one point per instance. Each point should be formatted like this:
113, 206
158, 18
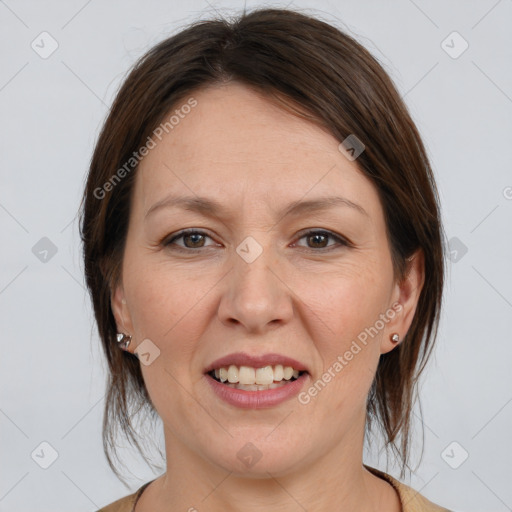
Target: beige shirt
410, 499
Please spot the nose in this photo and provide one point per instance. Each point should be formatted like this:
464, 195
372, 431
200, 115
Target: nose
256, 296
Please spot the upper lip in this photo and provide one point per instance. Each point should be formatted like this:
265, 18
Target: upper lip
242, 359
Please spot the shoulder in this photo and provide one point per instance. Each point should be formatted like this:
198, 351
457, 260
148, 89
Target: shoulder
122, 505
125, 504
411, 500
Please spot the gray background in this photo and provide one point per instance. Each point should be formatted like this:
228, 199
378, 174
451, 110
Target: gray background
51, 368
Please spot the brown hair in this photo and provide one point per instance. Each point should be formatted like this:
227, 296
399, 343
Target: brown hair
327, 77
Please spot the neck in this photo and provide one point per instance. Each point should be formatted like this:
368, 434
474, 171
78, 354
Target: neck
337, 480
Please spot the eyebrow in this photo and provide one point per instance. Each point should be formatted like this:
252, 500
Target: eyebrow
213, 208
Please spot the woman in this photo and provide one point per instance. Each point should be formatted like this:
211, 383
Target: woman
264, 252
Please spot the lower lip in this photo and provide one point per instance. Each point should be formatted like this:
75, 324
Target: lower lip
257, 399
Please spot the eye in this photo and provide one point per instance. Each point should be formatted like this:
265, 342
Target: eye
196, 239
319, 239
192, 239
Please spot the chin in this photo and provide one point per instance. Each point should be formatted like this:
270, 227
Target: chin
255, 456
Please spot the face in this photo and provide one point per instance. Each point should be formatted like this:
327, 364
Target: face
273, 274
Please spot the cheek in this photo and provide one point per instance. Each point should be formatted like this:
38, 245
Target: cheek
166, 308
344, 307
345, 303
164, 300
170, 307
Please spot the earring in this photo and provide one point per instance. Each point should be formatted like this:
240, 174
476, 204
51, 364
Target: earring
123, 340
395, 338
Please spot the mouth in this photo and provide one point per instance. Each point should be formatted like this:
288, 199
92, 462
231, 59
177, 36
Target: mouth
249, 378
256, 382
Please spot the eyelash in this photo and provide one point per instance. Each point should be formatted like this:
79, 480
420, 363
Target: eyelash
341, 241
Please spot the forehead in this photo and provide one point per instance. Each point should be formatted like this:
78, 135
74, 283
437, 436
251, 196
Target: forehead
235, 143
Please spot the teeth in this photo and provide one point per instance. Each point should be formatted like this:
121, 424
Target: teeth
256, 387
247, 375
233, 374
278, 372
265, 375
253, 379
288, 372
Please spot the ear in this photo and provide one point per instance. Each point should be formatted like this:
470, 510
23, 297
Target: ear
120, 310
405, 300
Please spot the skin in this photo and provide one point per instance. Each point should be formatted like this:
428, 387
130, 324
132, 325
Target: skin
297, 298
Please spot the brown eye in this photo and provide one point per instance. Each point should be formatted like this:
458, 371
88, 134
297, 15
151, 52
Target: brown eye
196, 240
319, 239
192, 239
